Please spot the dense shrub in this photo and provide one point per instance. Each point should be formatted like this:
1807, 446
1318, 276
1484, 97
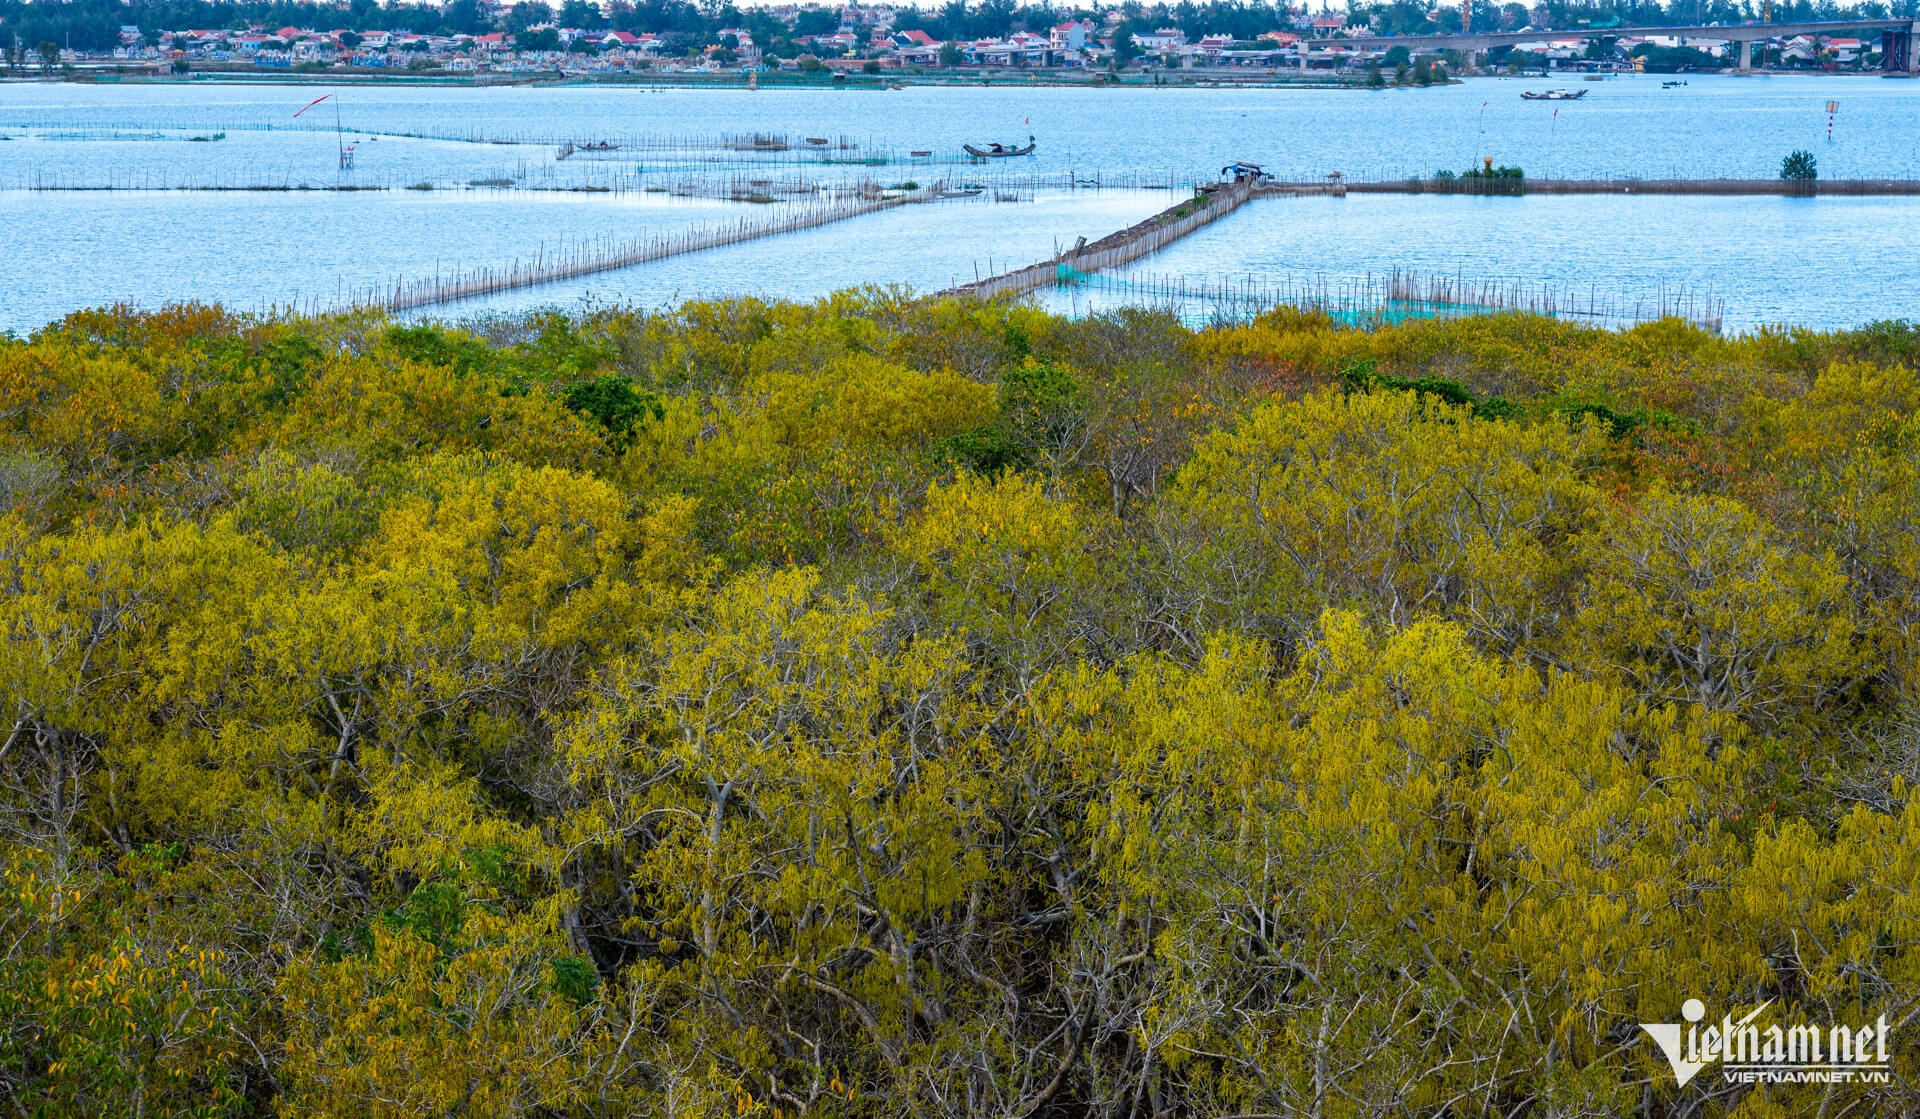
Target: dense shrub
891, 707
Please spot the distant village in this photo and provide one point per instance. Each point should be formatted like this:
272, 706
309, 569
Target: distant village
874, 40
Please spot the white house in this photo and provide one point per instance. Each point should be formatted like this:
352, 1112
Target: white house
1071, 35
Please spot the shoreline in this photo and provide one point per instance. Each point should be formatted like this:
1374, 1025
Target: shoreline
733, 80
886, 80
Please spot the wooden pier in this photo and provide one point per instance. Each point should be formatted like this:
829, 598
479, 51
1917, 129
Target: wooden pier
1208, 205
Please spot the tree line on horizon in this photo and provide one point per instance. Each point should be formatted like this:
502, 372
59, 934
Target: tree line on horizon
95, 24
888, 707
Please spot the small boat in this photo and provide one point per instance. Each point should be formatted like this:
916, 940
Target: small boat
963, 192
598, 146
1554, 95
997, 151
920, 154
1671, 85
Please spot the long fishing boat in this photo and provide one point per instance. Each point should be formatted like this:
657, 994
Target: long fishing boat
1555, 95
998, 151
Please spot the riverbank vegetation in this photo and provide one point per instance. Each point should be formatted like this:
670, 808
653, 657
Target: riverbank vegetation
884, 707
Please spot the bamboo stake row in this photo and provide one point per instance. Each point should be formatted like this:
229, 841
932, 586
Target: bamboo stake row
716, 179
1400, 294
606, 255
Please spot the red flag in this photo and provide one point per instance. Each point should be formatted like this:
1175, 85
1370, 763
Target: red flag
313, 102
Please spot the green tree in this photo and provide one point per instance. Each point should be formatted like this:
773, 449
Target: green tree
615, 403
545, 39
1799, 167
581, 15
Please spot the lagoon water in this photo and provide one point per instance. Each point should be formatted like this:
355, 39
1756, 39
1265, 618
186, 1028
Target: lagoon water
1823, 261
310, 251
1762, 261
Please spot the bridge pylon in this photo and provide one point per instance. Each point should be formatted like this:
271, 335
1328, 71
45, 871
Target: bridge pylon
1897, 55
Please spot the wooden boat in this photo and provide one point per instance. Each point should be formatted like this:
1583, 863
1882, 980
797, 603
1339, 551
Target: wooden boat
997, 151
1554, 95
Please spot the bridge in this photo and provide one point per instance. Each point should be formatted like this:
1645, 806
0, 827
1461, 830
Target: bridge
1897, 54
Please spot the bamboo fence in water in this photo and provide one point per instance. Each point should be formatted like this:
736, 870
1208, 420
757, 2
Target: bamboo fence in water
1398, 296
606, 255
708, 179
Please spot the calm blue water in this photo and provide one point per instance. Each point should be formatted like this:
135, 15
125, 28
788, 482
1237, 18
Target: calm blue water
1762, 260
260, 251
1625, 126
922, 247
1821, 261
